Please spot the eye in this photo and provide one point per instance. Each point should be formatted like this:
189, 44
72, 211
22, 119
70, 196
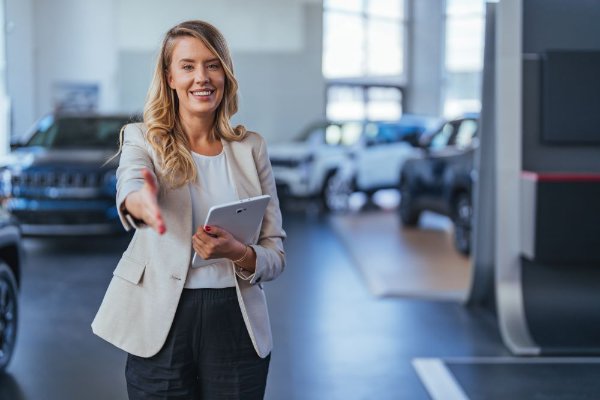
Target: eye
187, 67
213, 67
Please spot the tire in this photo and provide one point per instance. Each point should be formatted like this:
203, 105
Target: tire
8, 314
336, 192
409, 215
462, 218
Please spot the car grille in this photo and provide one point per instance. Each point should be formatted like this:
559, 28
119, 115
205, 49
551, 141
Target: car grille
57, 179
56, 184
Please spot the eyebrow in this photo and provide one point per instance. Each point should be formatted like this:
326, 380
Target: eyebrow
189, 60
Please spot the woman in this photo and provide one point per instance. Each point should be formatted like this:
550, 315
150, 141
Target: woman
192, 331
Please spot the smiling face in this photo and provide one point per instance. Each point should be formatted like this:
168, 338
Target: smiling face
197, 77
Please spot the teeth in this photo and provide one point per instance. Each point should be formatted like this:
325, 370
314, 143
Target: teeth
204, 93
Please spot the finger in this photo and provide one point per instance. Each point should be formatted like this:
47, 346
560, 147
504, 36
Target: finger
201, 248
161, 227
206, 236
149, 180
214, 231
155, 220
197, 245
152, 213
202, 237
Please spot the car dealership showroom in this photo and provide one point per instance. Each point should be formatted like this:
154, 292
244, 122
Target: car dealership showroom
400, 199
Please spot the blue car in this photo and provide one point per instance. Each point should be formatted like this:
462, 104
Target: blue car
59, 181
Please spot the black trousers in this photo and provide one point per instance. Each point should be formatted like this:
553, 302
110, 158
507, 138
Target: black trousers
208, 354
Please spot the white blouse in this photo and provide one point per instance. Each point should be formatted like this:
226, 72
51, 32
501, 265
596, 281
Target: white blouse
214, 186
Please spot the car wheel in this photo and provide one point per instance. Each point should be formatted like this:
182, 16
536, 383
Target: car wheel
8, 314
336, 192
463, 213
409, 215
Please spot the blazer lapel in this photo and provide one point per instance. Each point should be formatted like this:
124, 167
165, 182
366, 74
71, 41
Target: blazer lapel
243, 170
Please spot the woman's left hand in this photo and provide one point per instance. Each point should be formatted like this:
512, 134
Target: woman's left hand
212, 242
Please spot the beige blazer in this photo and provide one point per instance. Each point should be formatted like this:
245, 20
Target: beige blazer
140, 302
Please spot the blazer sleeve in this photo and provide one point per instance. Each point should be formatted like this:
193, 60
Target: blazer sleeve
134, 157
270, 256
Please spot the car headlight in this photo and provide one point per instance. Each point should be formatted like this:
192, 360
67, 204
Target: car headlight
109, 181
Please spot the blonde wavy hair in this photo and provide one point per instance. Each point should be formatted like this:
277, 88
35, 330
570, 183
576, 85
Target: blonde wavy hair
165, 133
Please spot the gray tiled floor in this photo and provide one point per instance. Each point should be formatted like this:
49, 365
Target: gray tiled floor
333, 340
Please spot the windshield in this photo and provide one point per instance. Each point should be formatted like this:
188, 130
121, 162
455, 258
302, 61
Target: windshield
79, 132
332, 134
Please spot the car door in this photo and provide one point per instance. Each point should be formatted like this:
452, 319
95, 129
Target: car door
370, 158
380, 159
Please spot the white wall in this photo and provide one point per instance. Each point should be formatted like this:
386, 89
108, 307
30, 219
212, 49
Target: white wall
4, 102
50, 42
283, 92
259, 25
276, 46
74, 42
20, 63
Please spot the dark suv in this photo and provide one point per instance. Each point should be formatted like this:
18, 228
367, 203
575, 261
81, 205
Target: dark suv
56, 180
441, 179
10, 262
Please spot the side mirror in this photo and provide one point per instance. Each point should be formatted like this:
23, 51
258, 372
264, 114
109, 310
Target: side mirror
424, 143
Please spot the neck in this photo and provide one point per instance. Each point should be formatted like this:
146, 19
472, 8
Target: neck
198, 128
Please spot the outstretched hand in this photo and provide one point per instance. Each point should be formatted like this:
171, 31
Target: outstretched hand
143, 204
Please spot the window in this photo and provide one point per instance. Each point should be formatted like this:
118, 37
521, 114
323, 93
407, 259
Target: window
384, 103
363, 38
363, 58
333, 134
345, 103
358, 102
84, 132
351, 133
465, 24
442, 138
466, 132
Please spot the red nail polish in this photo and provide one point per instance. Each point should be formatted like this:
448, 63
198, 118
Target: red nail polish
207, 228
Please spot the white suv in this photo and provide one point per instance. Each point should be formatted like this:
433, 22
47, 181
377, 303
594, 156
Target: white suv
329, 160
304, 167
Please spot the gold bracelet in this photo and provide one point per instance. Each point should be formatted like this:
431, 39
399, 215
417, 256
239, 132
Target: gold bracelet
243, 257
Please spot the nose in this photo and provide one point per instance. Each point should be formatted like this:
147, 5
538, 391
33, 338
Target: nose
201, 76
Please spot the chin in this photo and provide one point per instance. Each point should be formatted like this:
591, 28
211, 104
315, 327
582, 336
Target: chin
201, 110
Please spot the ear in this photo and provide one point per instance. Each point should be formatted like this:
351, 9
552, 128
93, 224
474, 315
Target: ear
169, 78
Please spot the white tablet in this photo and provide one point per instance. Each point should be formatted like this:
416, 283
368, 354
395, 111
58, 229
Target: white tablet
241, 218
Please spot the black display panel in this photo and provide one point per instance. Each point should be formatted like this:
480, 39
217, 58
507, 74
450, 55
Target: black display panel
571, 97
